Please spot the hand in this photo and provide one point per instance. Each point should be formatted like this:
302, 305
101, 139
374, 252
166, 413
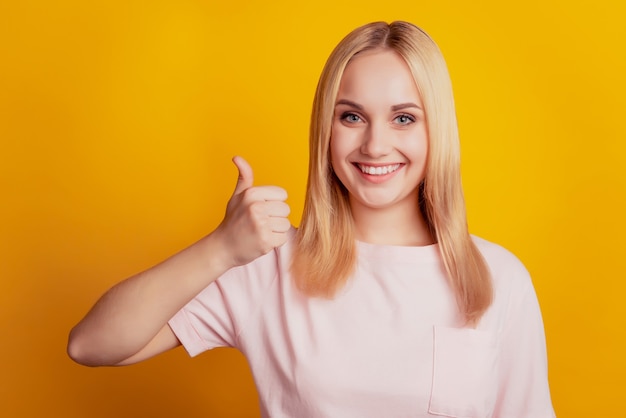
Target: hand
256, 218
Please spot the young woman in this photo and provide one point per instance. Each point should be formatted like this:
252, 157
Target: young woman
381, 303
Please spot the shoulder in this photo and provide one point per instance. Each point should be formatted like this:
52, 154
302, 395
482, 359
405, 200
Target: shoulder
241, 289
497, 257
263, 270
506, 268
514, 293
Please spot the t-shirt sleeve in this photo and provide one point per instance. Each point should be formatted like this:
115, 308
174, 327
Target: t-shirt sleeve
523, 390
217, 315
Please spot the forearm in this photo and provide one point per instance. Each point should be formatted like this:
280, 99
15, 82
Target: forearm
122, 326
129, 315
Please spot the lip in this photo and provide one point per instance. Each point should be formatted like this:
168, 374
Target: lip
378, 178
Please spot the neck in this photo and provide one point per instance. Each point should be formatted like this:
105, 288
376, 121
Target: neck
397, 225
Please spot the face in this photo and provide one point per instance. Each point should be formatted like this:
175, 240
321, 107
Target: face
379, 141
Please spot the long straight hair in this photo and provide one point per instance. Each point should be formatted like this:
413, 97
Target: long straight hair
325, 253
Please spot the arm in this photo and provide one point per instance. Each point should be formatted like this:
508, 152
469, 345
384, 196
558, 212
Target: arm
129, 322
523, 370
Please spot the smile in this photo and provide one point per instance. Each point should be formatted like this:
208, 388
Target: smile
379, 170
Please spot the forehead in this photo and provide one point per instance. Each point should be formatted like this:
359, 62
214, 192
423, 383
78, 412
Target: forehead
378, 75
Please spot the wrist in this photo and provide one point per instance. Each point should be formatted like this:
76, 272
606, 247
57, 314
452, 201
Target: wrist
215, 251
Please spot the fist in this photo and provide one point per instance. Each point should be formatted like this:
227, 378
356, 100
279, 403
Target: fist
256, 218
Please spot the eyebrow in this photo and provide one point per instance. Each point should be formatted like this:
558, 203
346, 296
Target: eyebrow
349, 103
394, 107
404, 106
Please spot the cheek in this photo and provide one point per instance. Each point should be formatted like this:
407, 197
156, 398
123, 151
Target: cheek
418, 145
420, 149
336, 154
343, 141
338, 146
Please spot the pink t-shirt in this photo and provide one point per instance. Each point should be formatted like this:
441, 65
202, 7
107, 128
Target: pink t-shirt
390, 344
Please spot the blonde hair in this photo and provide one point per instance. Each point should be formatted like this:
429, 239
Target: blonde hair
325, 254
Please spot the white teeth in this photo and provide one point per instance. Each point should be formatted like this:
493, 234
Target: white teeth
378, 171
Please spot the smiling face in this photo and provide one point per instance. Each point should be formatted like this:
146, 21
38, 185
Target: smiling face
379, 140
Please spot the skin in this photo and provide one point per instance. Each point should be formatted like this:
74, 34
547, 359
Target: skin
129, 322
379, 126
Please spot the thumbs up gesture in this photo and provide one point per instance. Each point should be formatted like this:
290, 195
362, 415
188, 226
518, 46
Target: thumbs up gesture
256, 218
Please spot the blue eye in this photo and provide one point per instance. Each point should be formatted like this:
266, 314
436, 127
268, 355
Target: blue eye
350, 117
405, 119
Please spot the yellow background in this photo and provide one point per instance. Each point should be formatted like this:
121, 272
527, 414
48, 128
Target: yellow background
118, 120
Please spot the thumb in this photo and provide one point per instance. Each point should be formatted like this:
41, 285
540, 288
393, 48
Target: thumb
244, 181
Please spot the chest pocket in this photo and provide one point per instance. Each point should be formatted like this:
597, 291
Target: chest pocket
464, 369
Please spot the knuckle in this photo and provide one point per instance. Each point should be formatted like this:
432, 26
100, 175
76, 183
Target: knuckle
281, 192
287, 209
256, 209
250, 194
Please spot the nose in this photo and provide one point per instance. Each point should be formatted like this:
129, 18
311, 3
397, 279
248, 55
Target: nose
376, 141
